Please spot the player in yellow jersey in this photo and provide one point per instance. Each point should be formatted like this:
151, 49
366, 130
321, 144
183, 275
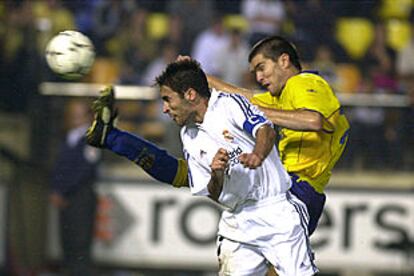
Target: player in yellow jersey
313, 129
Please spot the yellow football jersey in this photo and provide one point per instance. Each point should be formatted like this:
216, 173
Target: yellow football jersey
309, 154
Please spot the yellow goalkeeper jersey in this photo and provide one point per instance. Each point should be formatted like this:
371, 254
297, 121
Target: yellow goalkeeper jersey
310, 155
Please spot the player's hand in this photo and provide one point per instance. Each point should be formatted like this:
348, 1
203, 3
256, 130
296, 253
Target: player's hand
218, 166
220, 161
183, 58
251, 160
58, 201
105, 115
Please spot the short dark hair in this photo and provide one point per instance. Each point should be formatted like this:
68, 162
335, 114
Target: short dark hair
182, 75
273, 47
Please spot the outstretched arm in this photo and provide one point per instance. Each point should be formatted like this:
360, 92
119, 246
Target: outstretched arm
301, 119
230, 88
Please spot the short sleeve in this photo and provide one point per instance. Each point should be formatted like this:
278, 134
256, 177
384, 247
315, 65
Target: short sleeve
245, 115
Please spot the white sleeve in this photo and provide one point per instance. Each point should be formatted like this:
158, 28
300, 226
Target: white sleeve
245, 115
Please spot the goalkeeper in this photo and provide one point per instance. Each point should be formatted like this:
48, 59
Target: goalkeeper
313, 129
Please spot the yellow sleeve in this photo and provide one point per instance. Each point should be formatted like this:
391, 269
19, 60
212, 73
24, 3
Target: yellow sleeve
264, 100
181, 179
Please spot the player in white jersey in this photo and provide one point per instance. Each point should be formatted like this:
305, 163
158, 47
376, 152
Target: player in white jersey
232, 159
231, 123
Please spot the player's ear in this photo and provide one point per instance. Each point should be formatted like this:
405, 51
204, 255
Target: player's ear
190, 94
283, 60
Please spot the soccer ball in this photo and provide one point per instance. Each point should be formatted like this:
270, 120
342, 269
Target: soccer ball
70, 54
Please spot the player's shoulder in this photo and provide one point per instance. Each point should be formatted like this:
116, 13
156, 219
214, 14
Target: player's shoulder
307, 76
308, 80
225, 99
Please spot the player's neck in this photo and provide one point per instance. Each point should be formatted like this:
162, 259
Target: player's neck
201, 106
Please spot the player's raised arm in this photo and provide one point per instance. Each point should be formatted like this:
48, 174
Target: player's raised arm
157, 162
301, 119
219, 84
305, 120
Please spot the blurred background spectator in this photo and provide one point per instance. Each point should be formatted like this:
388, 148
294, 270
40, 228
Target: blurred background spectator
314, 25
73, 190
188, 19
108, 18
265, 17
232, 65
208, 44
405, 63
325, 63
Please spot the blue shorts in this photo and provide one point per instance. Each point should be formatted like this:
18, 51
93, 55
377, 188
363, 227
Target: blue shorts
313, 200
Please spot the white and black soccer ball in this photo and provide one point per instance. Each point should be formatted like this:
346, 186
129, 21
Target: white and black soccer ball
70, 54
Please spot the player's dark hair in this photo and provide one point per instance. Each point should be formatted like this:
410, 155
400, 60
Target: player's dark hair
182, 75
273, 47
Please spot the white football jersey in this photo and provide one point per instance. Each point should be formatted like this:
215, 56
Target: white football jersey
231, 123
259, 211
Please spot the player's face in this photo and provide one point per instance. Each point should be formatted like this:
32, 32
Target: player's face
269, 73
175, 105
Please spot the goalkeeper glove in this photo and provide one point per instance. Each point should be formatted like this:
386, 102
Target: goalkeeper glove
105, 115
